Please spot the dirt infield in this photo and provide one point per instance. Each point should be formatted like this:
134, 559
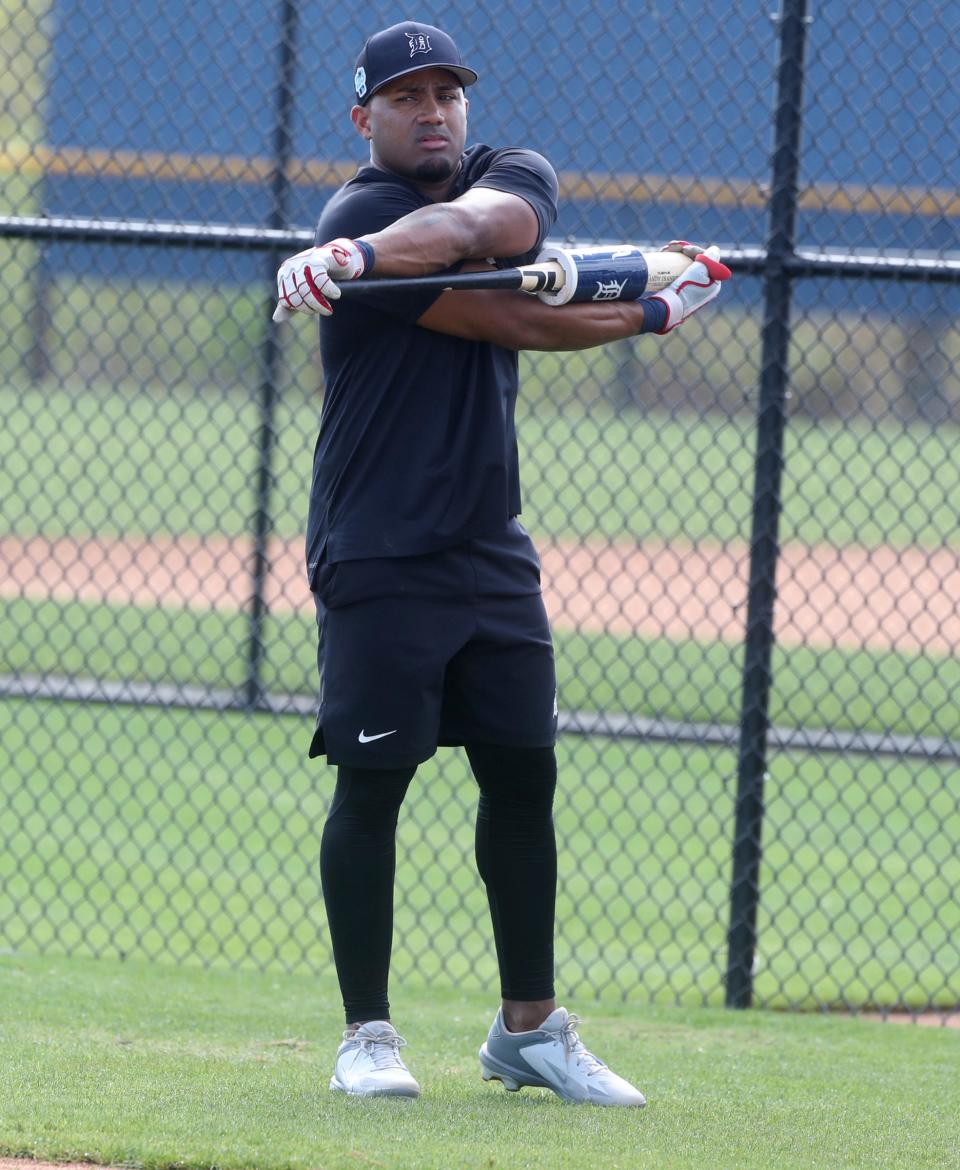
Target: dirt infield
903, 599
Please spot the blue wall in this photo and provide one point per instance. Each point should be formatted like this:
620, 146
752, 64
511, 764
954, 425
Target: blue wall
684, 91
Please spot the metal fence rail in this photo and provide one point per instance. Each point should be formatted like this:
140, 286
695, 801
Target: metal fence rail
749, 537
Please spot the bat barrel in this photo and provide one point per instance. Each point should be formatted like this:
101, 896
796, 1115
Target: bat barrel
598, 273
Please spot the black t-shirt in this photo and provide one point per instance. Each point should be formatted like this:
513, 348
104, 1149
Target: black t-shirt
417, 449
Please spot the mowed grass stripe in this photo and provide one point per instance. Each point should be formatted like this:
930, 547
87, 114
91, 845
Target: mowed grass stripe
176, 461
689, 681
194, 835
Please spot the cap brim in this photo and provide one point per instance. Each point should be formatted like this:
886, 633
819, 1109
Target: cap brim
464, 75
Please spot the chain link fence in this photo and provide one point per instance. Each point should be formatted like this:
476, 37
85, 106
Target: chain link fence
749, 531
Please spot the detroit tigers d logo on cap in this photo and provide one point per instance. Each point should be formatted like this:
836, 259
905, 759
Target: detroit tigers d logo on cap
419, 43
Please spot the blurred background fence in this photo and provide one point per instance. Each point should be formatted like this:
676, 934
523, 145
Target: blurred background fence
749, 531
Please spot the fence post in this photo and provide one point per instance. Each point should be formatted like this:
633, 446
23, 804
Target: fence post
768, 471
271, 355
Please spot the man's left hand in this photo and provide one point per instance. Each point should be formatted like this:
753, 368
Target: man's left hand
306, 282
692, 289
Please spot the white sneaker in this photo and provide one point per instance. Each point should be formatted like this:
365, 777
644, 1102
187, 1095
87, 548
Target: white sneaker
553, 1057
369, 1064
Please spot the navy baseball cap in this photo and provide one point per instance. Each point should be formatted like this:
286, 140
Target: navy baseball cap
405, 48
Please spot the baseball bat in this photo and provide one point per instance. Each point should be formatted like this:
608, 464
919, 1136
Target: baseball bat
559, 276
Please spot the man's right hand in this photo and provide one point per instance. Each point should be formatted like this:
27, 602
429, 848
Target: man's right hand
305, 282
694, 289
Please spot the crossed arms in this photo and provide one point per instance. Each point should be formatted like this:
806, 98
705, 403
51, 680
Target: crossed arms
481, 223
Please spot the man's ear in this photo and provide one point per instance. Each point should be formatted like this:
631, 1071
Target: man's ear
360, 116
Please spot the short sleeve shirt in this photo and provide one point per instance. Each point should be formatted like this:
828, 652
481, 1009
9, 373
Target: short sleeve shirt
417, 450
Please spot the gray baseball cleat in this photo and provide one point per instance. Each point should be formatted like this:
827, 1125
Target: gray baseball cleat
553, 1057
369, 1064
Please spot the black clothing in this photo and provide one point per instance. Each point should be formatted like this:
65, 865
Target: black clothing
417, 449
431, 622
516, 857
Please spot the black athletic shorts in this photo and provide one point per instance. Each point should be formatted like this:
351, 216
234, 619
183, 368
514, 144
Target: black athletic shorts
428, 666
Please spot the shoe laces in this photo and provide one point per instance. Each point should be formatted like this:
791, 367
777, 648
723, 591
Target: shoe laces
574, 1046
383, 1050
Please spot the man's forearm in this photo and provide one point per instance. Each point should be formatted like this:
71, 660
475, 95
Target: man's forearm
578, 326
516, 320
426, 240
480, 224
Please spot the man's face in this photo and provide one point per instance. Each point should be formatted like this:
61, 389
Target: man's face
416, 126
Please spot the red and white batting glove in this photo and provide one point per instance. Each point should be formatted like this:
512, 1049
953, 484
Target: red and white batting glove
694, 288
306, 282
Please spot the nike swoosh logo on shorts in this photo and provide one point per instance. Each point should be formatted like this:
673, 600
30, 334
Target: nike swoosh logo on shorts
363, 738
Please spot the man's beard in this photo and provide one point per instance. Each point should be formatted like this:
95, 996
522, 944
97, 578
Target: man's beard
435, 170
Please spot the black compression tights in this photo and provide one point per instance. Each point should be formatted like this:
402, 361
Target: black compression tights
516, 856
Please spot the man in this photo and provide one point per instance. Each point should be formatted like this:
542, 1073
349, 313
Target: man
431, 622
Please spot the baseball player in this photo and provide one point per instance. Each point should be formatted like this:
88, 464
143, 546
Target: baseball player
432, 629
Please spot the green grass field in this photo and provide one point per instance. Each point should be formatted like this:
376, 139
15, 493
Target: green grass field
174, 461
194, 836
870, 691
154, 833
170, 1069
